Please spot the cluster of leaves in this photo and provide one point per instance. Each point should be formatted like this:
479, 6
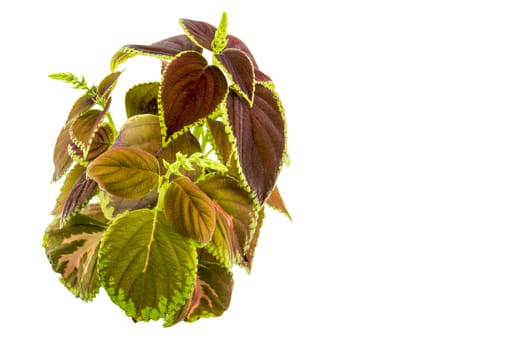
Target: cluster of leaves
159, 211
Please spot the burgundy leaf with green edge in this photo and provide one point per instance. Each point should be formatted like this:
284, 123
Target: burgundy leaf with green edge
190, 91
260, 138
61, 158
169, 47
126, 172
81, 192
81, 106
164, 49
201, 33
102, 140
189, 210
72, 250
222, 144
107, 85
240, 69
84, 128
276, 202
236, 43
65, 190
212, 292
142, 99
236, 218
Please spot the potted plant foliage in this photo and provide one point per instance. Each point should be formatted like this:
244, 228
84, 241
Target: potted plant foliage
159, 210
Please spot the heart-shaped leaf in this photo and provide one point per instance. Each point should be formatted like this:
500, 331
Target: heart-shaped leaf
72, 251
189, 210
190, 91
240, 69
260, 138
142, 99
236, 218
146, 267
126, 172
164, 49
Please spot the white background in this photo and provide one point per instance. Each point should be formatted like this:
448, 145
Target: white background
408, 182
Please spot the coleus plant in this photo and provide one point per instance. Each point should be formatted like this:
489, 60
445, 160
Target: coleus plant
159, 211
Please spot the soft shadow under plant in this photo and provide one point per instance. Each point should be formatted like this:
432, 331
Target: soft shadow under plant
159, 210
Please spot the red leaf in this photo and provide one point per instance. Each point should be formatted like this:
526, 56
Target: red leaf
260, 139
167, 47
191, 90
201, 33
236, 43
241, 70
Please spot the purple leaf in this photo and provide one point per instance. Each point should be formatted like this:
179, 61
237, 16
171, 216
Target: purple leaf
260, 139
191, 90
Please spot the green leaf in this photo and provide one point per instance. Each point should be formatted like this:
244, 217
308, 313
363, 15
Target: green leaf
190, 91
141, 131
236, 218
72, 251
107, 85
189, 210
142, 99
146, 267
260, 135
212, 292
220, 36
164, 49
240, 70
126, 172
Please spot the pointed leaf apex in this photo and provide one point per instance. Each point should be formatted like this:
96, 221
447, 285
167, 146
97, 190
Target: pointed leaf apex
220, 36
